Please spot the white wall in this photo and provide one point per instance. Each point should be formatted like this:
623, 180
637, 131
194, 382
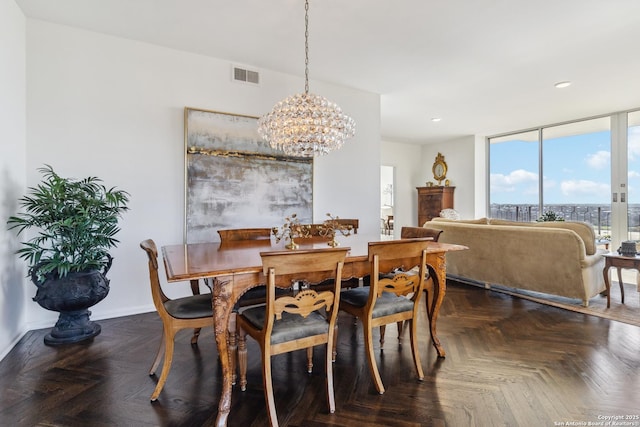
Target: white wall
12, 169
462, 171
409, 170
113, 108
347, 182
466, 164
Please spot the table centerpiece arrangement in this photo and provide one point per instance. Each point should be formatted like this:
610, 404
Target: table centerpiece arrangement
331, 227
291, 230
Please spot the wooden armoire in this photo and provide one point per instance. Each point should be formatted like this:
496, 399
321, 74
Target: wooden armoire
431, 200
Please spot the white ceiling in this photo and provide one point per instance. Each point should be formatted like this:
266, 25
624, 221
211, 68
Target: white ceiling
483, 66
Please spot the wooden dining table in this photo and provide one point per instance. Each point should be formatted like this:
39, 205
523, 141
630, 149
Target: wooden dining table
235, 267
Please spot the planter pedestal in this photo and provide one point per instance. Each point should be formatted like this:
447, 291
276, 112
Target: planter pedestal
71, 296
72, 327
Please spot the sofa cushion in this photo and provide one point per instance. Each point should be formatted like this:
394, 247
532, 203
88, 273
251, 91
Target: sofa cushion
461, 221
583, 229
497, 221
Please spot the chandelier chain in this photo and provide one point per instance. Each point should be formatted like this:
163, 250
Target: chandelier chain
306, 46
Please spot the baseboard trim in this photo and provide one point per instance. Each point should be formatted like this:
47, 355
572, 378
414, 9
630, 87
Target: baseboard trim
111, 314
12, 344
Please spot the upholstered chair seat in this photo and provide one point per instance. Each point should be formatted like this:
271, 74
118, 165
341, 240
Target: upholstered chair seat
291, 327
190, 307
387, 304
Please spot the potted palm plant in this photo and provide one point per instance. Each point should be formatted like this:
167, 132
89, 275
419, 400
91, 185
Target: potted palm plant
75, 222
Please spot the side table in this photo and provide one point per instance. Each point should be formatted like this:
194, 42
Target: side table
619, 262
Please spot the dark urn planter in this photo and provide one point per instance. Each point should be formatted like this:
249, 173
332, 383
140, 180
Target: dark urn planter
71, 296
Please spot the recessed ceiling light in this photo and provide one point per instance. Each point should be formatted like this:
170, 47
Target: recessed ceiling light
560, 85
435, 119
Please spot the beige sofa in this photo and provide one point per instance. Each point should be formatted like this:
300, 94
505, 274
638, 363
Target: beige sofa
558, 258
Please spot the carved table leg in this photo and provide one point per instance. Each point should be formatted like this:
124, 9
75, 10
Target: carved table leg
222, 305
437, 271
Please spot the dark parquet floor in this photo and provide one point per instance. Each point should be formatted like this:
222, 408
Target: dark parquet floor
510, 362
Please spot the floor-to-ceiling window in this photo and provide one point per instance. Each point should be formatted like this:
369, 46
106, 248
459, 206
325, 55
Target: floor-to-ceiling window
568, 169
576, 165
513, 176
633, 175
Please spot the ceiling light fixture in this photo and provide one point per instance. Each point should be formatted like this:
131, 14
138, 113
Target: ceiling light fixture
560, 85
306, 125
435, 119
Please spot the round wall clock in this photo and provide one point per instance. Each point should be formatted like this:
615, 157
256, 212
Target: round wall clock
439, 169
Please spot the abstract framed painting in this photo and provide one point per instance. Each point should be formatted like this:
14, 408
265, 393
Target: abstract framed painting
234, 179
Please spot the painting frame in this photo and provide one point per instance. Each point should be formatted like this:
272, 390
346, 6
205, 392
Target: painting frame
234, 179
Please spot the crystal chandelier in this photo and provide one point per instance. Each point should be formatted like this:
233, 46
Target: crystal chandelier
306, 125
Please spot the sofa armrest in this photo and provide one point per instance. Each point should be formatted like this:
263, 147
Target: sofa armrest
590, 260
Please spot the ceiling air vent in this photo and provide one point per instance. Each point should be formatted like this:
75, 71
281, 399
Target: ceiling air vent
245, 76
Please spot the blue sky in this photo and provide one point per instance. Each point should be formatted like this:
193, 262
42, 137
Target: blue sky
576, 170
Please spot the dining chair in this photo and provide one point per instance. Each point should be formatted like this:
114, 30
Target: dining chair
352, 282
412, 233
392, 296
354, 223
300, 321
258, 294
176, 314
237, 234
